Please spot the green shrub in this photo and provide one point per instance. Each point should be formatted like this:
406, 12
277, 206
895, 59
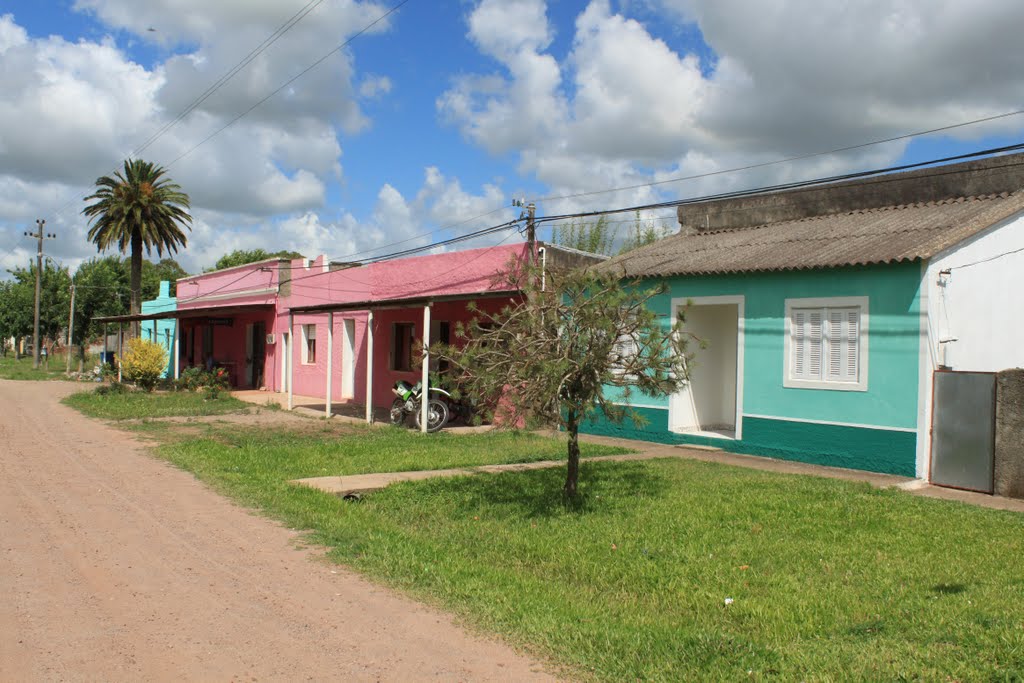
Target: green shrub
212, 382
112, 389
144, 362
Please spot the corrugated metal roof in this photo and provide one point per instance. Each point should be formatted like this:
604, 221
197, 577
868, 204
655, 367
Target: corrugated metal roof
882, 235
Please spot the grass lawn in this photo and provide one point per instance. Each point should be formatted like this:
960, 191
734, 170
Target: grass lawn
22, 369
136, 404
825, 580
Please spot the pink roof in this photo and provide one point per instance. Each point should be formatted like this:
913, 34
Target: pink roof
312, 283
462, 272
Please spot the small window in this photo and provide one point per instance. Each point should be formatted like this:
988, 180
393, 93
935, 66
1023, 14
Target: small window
826, 344
401, 346
309, 344
624, 351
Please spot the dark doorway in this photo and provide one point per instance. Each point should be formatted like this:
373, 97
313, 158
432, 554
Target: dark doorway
259, 353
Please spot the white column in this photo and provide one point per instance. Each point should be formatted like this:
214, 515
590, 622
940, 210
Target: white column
425, 377
177, 348
369, 367
288, 358
330, 360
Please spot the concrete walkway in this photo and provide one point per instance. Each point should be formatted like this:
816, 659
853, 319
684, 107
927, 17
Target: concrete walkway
356, 485
364, 483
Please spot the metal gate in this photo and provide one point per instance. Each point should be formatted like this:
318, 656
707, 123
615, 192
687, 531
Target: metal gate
964, 430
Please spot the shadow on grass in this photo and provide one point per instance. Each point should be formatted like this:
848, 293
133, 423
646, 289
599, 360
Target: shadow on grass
540, 493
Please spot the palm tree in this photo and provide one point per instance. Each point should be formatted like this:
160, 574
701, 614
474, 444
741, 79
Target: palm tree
136, 210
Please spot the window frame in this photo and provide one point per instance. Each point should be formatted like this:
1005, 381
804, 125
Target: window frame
306, 339
824, 304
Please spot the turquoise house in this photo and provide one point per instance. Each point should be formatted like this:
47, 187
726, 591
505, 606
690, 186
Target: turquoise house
825, 313
161, 331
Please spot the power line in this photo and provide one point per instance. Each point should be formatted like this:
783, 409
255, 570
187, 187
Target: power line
700, 176
785, 160
291, 80
218, 84
696, 200
232, 72
789, 186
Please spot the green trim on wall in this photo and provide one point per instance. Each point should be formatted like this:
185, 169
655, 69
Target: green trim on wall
860, 448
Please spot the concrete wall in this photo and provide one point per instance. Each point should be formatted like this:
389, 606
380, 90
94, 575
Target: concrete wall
984, 176
1009, 456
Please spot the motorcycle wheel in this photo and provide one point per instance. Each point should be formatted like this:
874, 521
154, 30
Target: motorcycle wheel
397, 414
437, 415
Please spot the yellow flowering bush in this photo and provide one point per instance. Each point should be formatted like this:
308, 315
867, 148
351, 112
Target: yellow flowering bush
144, 362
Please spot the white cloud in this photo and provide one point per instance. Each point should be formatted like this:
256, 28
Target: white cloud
788, 78
73, 111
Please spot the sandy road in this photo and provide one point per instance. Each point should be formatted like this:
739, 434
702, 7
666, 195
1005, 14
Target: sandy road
117, 567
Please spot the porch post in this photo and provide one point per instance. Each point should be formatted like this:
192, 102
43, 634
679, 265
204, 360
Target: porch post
120, 346
106, 350
369, 367
425, 374
288, 358
177, 348
330, 359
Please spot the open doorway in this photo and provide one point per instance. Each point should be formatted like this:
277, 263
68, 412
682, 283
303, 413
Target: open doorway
711, 403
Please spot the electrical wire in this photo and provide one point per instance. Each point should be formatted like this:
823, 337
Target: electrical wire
785, 160
217, 85
787, 186
291, 80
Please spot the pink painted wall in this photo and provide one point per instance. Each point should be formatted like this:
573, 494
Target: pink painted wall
465, 272
311, 283
254, 283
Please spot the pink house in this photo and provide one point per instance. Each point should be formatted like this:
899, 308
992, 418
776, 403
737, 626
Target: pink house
334, 331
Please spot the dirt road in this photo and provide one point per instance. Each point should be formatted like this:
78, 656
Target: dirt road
117, 567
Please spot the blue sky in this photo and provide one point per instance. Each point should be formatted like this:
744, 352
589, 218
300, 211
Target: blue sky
450, 109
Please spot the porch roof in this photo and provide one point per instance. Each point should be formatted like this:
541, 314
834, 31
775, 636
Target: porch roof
218, 311
405, 302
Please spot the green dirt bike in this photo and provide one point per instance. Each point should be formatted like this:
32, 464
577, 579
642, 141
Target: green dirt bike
408, 402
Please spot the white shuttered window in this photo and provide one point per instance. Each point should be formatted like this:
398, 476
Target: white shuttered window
826, 345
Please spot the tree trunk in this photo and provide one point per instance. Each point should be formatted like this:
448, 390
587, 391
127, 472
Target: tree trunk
81, 357
136, 283
572, 425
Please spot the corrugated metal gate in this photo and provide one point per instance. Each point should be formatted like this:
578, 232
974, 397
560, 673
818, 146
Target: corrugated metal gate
963, 430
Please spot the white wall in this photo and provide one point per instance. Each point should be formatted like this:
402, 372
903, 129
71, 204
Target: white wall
979, 303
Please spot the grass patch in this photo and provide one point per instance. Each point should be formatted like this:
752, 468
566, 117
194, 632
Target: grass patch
140, 405
324, 449
829, 580
21, 369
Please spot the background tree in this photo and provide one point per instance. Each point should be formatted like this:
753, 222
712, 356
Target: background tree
602, 236
154, 273
240, 257
17, 302
139, 209
101, 289
555, 355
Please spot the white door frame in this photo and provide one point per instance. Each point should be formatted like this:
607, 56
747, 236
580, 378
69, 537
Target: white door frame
348, 358
739, 301
283, 350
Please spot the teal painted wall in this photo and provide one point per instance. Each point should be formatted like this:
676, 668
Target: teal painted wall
894, 307
161, 331
875, 450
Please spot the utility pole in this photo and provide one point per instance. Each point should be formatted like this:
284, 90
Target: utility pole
71, 327
40, 236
